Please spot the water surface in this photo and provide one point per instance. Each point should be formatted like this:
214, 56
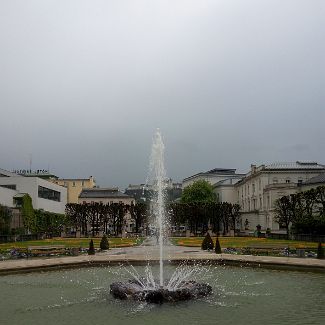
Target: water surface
241, 296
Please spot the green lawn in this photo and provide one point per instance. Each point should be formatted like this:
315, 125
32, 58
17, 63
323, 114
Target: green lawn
73, 242
240, 242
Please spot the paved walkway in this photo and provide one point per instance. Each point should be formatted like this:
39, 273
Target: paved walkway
149, 251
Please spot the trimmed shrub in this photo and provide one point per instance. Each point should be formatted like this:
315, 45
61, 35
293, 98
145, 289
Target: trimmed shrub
91, 250
207, 243
104, 245
320, 251
218, 247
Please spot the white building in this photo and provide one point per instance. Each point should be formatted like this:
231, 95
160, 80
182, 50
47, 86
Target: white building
225, 190
213, 176
45, 195
257, 192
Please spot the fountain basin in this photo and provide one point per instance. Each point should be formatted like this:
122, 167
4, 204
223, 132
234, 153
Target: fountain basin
132, 290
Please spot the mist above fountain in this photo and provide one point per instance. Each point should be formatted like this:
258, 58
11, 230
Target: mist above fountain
145, 288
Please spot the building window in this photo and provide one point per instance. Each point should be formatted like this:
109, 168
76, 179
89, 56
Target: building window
260, 202
300, 181
253, 188
82, 183
275, 180
46, 193
73, 184
259, 184
10, 186
288, 180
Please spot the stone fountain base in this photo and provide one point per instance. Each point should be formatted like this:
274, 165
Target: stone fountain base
134, 291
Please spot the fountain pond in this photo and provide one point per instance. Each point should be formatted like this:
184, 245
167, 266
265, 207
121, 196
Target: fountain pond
240, 296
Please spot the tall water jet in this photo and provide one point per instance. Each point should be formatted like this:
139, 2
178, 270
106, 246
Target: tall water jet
157, 174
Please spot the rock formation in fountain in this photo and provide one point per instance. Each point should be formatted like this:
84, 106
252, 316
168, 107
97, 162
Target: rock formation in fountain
134, 290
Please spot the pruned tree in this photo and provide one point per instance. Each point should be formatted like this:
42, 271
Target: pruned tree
234, 216
320, 200
286, 211
105, 216
27, 212
207, 243
93, 216
215, 217
138, 213
5, 219
226, 209
77, 216
104, 245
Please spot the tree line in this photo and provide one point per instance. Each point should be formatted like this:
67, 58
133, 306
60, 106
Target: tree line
303, 212
201, 216
101, 216
98, 216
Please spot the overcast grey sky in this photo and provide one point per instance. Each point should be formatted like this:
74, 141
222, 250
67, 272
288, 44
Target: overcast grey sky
84, 85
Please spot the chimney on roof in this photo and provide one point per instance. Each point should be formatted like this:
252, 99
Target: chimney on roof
253, 168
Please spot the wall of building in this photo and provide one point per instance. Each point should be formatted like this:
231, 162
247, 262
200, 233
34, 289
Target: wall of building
75, 186
6, 197
30, 185
226, 194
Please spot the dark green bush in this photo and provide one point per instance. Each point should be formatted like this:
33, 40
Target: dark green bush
207, 243
91, 250
104, 245
217, 247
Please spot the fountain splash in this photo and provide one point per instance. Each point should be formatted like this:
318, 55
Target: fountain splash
145, 288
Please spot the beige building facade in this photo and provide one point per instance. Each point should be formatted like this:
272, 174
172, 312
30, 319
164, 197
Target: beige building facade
75, 186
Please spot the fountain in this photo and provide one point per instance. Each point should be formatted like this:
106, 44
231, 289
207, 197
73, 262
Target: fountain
179, 286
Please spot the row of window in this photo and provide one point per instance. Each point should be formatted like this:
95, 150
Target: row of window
73, 183
10, 186
46, 193
251, 204
101, 202
246, 189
